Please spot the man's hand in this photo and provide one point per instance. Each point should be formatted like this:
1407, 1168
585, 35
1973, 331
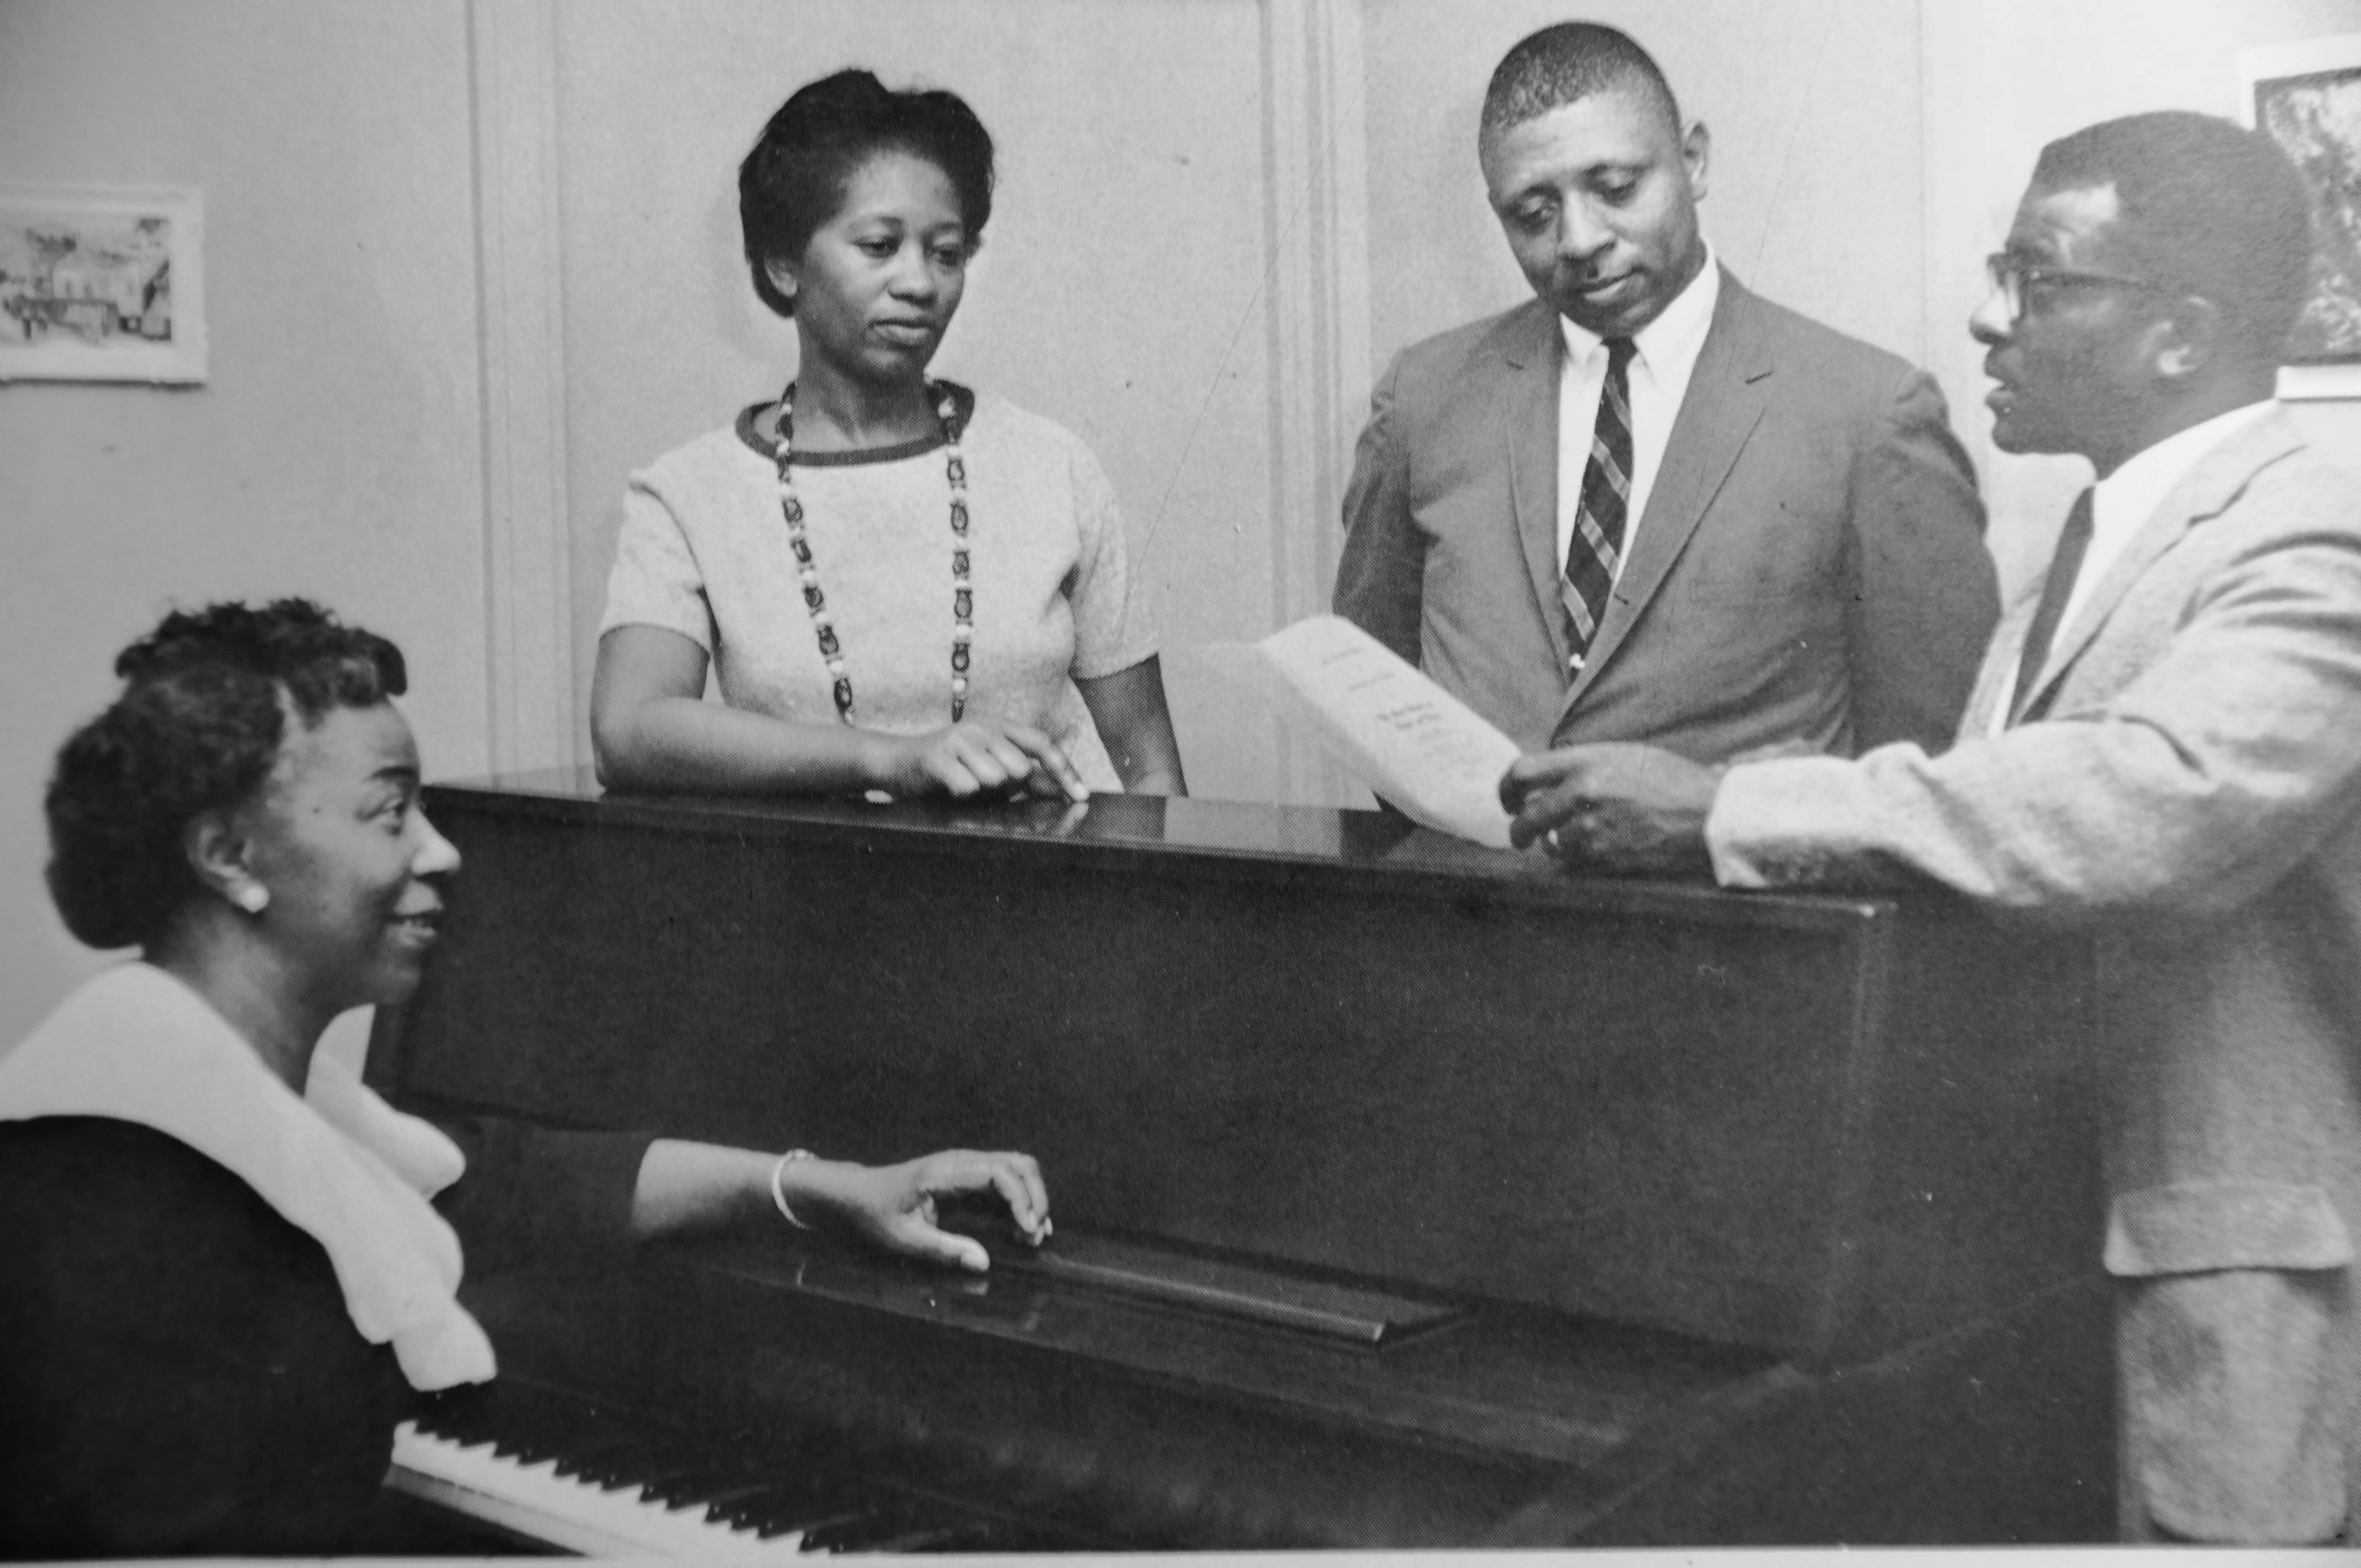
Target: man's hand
1614, 807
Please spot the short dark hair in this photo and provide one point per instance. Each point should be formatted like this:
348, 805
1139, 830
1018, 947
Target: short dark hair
1567, 62
796, 177
196, 728
2207, 208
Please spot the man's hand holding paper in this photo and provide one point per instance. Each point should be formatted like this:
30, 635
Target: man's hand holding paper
1411, 742
1615, 806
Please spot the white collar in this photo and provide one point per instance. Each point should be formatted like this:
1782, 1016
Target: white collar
2126, 498
137, 1044
1669, 344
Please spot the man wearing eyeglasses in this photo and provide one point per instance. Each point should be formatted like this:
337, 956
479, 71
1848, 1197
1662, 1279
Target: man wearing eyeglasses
2164, 749
1647, 503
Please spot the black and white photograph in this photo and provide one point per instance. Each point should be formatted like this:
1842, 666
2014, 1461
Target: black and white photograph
1058, 779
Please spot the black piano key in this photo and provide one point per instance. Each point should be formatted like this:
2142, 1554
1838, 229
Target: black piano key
611, 1464
465, 1426
925, 1529
660, 1469
793, 1492
750, 1510
976, 1535
872, 1528
526, 1447
701, 1485
435, 1422
776, 1510
718, 1507
532, 1431
624, 1466
807, 1517
1004, 1538
577, 1457
451, 1404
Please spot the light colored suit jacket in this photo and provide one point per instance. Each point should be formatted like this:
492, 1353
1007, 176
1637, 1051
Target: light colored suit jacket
1810, 567
2190, 790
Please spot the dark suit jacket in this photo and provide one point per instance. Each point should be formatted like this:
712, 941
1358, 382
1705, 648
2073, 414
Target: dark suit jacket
1811, 566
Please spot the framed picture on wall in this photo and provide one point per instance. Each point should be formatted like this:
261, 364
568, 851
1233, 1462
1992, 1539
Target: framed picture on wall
102, 283
2307, 97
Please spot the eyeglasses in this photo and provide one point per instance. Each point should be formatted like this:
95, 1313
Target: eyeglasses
2027, 284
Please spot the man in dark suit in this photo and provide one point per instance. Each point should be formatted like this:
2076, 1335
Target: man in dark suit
2164, 750
1648, 504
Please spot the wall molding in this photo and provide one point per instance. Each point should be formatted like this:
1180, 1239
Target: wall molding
528, 578
1317, 229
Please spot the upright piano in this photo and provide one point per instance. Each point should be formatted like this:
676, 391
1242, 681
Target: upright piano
1407, 1192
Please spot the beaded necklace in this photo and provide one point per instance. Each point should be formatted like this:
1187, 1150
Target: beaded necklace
962, 592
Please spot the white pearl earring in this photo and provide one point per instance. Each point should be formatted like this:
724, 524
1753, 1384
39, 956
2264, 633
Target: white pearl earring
253, 897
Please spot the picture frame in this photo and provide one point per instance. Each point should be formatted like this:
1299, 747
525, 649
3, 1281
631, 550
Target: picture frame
102, 283
2307, 97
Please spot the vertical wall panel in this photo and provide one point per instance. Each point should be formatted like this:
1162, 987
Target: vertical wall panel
1317, 229
528, 536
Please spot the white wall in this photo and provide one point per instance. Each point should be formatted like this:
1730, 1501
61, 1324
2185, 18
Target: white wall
334, 451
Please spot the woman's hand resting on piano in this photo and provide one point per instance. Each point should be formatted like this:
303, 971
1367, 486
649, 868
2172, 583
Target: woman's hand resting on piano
894, 1205
688, 1186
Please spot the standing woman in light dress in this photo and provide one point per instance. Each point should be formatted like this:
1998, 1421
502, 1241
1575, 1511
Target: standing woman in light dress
902, 585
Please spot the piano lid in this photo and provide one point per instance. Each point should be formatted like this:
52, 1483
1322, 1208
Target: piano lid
1138, 833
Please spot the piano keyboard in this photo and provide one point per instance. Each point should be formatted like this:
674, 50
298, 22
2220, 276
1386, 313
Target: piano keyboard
567, 1474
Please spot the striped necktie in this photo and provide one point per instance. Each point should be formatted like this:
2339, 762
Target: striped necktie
2073, 543
1596, 547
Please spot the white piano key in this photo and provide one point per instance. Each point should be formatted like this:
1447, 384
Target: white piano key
564, 1510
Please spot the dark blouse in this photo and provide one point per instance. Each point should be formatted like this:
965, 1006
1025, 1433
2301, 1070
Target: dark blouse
177, 1372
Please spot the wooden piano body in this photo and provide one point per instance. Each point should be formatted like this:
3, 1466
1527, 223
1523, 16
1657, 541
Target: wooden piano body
1408, 1193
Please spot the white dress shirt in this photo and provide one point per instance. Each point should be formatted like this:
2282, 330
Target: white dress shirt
1665, 352
2121, 505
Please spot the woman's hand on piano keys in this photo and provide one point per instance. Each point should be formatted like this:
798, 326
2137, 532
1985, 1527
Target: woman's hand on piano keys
894, 1205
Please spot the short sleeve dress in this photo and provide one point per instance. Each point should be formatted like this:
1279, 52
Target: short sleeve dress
704, 552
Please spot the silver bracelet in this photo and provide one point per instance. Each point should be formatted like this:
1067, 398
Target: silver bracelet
778, 1186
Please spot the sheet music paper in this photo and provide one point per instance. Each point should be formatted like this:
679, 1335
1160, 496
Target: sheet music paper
1412, 743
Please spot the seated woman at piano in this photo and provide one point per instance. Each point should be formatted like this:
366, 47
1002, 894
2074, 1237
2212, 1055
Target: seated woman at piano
901, 585
228, 1268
